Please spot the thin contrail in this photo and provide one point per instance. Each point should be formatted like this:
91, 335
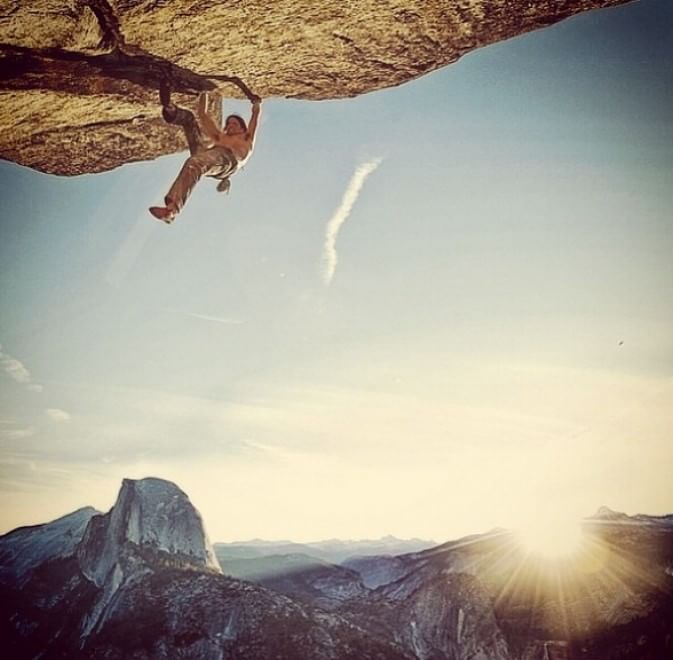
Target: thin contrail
340, 216
207, 317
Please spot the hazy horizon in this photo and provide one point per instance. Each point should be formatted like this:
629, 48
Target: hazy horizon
326, 539
427, 311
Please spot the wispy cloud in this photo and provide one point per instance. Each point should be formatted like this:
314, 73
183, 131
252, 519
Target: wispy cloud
24, 473
350, 196
208, 317
16, 370
57, 415
16, 433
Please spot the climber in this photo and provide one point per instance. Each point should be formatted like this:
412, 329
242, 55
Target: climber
216, 153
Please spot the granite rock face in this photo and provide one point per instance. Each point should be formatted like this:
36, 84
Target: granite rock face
153, 523
27, 547
151, 516
486, 597
79, 78
142, 582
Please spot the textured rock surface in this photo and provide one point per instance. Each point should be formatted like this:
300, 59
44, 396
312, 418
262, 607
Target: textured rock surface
152, 523
151, 516
435, 610
306, 579
484, 597
23, 549
78, 78
142, 583
451, 617
139, 583
175, 615
376, 571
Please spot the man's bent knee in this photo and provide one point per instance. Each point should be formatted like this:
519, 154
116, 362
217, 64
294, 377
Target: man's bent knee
169, 113
194, 164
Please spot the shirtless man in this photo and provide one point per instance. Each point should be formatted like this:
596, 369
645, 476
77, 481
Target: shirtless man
214, 152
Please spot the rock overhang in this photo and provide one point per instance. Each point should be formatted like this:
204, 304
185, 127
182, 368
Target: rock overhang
79, 78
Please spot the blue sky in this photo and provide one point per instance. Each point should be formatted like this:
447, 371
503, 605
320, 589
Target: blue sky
496, 340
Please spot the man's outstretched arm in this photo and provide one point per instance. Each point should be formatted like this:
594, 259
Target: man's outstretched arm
209, 127
252, 124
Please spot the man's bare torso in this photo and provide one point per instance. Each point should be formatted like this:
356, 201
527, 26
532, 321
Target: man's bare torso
235, 135
241, 145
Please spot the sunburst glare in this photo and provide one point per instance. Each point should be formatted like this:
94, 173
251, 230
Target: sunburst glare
551, 538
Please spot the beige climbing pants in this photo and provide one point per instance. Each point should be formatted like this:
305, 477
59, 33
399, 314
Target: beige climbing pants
216, 162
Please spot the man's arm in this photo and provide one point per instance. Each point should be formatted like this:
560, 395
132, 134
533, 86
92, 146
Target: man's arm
209, 127
252, 124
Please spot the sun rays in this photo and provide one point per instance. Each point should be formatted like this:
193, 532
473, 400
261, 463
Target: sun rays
551, 539
568, 581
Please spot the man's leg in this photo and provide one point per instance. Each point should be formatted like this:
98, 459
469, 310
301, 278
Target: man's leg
193, 169
173, 114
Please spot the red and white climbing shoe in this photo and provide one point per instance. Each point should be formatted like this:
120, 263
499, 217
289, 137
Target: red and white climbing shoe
164, 213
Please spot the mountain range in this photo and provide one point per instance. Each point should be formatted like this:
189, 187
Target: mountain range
143, 581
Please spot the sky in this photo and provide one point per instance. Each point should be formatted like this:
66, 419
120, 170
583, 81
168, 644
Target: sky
427, 311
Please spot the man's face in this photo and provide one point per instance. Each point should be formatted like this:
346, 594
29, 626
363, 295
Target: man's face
233, 126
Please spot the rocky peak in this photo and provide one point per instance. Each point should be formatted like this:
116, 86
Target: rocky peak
152, 526
26, 547
606, 513
151, 521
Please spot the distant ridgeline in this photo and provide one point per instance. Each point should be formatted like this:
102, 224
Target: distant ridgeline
78, 86
142, 581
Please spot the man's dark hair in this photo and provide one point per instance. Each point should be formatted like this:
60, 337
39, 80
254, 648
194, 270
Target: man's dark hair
239, 119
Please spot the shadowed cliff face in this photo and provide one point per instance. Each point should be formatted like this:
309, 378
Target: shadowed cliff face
79, 78
141, 582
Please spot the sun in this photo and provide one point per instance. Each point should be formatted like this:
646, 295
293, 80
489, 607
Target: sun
551, 538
